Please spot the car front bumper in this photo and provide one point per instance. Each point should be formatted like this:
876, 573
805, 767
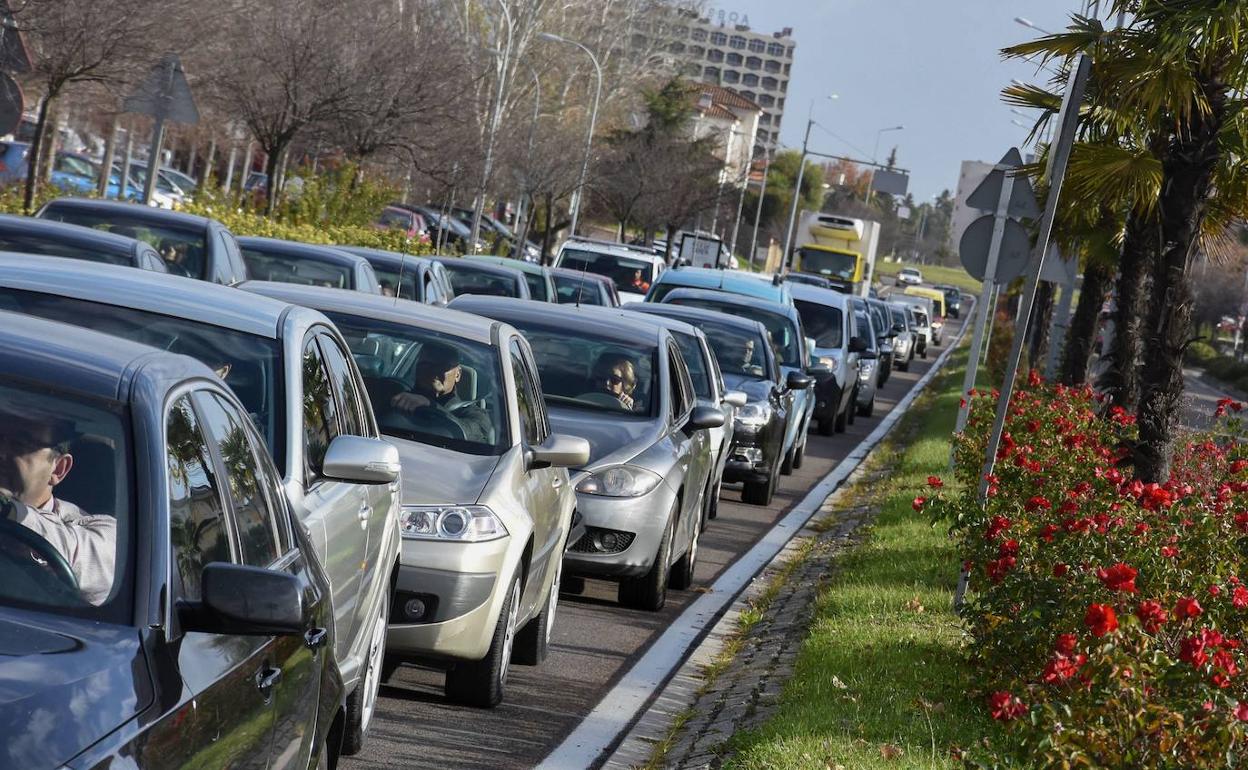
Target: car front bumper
750, 459
636, 524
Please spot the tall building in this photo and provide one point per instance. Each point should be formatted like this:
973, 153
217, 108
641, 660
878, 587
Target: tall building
719, 49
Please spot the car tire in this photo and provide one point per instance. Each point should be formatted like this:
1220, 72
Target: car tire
682, 571
842, 418
481, 683
362, 702
533, 641
923, 354
852, 409
869, 409
825, 427
786, 465
758, 492
712, 510
649, 592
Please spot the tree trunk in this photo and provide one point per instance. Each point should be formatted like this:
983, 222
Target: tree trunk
35, 154
272, 159
110, 153
667, 247
623, 230
1187, 172
1041, 318
1139, 251
550, 215
1082, 332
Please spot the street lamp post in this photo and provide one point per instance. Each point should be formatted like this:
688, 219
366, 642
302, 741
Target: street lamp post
492, 131
589, 135
876, 152
758, 212
797, 187
522, 214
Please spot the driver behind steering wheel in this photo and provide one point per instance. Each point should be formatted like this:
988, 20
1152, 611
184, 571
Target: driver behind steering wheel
436, 373
34, 458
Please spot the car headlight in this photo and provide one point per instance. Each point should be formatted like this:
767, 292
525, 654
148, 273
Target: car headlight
828, 362
753, 417
619, 481
866, 369
458, 523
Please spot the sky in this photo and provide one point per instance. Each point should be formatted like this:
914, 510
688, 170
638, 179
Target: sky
932, 66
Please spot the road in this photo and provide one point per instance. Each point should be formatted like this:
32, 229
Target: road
595, 640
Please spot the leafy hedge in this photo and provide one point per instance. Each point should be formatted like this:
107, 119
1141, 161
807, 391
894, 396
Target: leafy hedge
1107, 622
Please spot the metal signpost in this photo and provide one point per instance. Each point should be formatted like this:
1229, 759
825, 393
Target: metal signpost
1065, 273
165, 95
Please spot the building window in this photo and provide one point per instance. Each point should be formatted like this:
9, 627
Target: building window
715, 55
787, 67
711, 74
699, 35
734, 59
736, 41
696, 50
767, 100
680, 31
676, 48
753, 63
771, 65
788, 53
732, 76
769, 83
757, 46
750, 79
775, 49
719, 38
780, 103
784, 87
776, 122
693, 70
764, 119
749, 95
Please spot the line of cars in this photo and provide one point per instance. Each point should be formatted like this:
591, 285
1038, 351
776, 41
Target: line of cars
241, 486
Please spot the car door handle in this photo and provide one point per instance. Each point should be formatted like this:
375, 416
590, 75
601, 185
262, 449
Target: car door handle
267, 678
366, 510
315, 638
556, 482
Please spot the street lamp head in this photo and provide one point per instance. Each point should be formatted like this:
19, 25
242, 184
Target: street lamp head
1030, 25
833, 97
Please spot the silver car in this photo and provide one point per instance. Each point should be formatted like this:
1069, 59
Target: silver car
626, 389
905, 343
294, 374
836, 359
487, 503
869, 359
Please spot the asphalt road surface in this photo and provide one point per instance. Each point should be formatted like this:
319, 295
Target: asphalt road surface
595, 640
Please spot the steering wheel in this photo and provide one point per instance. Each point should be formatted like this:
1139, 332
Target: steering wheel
426, 419
25, 547
601, 399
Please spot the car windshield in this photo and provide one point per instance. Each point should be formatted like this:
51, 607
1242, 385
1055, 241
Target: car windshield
403, 220
578, 368
567, 289
783, 334
537, 286
628, 273
822, 322
249, 364
467, 279
82, 571
428, 387
920, 318
737, 351
16, 239
289, 268
183, 248
691, 351
388, 279
880, 318
834, 263
899, 317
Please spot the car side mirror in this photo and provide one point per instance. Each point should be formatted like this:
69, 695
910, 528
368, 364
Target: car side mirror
246, 601
361, 461
798, 381
818, 370
735, 398
704, 417
857, 344
558, 451
869, 355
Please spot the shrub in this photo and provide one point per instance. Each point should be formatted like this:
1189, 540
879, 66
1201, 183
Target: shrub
1108, 616
1200, 352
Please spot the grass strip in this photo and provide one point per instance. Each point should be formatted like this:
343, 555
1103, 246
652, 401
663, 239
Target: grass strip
954, 276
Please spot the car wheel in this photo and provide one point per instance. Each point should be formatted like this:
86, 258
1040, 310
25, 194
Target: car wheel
758, 492
825, 427
799, 454
842, 418
480, 682
923, 354
713, 509
649, 592
852, 408
869, 409
682, 571
786, 465
362, 701
533, 641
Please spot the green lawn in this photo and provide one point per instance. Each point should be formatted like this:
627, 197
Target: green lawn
880, 681
954, 276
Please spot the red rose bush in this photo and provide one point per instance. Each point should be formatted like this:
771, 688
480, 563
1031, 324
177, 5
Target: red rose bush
1106, 616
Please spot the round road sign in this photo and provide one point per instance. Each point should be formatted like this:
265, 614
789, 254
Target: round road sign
1015, 249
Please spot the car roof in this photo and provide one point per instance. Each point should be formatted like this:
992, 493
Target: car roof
399, 311
124, 286
667, 322
729, 298
64, 231
133, 210
484, 267
514, 264
310, 251
610, 247
599, 321
390, 259
567, 272
694, 315
725, 280
808, 293
87, 362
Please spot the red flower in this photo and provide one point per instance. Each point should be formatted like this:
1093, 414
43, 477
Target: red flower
1033, 378
1239, 597
996, 569
1061, 668
918, 503
1060, 570
1214, 590
1187, 607
1238, 465
1047, 532
1192, 651
1100, 619
1152, 615
1038, 502
934, 482
1119, 577
1169, 552
1241, 712
1065, 644
1004, 706
996, 526
1008, 548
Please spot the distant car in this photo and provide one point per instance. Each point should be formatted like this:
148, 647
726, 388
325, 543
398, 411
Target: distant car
868, 365
292, 372
487, 504
932, 322
444, 231
270, 259
28, 235
410, 223
171, 183
809, 279
908, 276
714, 279
541, 283
837, 357
906, 343
573, 287
212, 618
416, 278
482, 278
192, 246
953, 299
882, 320
632, 268
647, 484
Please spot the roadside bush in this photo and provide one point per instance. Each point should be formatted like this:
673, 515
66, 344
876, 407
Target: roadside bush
1107, 619
1199, 353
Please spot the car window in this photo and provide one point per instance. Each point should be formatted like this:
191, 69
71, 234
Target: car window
781, 329
737, 351
466, 279
302, 270
537, 286
824, 323
255, 520
571, 290
678, 388
355, 419
197, 528
50, 245
578, 368
691, 350
628, 273
182, 247
526, 398
863, 321
320, 412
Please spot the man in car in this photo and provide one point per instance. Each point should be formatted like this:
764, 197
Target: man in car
34, 458
616, 374
436, 373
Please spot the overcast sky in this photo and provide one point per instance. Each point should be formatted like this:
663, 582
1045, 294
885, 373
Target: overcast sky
932, 66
